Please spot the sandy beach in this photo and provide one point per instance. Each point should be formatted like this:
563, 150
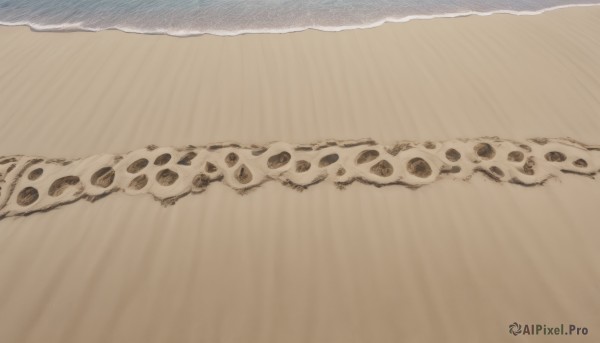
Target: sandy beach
457, 259
508, 76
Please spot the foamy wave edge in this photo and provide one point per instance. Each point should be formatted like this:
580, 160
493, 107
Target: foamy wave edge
75, 27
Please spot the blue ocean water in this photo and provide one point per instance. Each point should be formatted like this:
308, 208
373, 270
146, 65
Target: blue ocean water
230, 17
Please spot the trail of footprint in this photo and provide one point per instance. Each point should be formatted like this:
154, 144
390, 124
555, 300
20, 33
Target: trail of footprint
33, 184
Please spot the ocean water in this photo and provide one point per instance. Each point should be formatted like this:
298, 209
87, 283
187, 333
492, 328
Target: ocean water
231, 17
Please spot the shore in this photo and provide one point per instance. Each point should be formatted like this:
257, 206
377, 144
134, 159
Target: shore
452, 261
511, 76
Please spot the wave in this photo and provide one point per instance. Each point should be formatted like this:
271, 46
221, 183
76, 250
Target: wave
80, 26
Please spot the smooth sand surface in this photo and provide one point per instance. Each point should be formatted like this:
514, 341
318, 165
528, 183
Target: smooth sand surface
508, 76
454, 261
451, 262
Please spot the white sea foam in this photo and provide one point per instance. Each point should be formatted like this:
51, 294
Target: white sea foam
80, 26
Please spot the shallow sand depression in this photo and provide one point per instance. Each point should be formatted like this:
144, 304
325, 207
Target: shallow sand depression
436, 236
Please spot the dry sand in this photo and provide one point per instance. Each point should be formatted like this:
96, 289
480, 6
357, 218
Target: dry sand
453, 261
507, 76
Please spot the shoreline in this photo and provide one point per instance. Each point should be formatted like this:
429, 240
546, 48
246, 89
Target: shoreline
79, 27
516, 77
